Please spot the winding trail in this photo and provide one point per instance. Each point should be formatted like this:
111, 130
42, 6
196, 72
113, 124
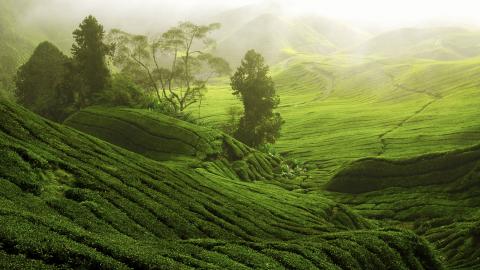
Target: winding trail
435, 97
383, 143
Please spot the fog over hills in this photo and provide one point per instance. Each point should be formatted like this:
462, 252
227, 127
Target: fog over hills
274, 28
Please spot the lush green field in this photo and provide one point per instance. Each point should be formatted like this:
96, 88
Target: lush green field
340, 108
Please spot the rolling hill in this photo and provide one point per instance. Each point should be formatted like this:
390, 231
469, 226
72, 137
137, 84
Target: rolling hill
342, 108
437, 195
388, 127
441, 43
394, 138
163, 138
76, 201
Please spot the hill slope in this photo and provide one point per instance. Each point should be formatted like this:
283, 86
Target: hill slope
164, 138
68, 199
341, 108
437, 195
442, 43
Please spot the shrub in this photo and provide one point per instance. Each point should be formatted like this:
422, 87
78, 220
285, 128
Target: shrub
124, 92
231, 125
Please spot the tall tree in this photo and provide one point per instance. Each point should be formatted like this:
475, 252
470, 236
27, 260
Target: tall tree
176, 66
89, 54
251, 83
37, 80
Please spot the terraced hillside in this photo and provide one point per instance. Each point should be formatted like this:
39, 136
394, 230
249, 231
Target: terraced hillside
164, 138
342, 108
436, 195
71, 200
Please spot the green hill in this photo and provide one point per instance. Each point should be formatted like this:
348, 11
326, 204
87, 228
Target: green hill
442, 43
454, 169
437, 195
164, 138
342, 108
75, 201
270, 34
394, 138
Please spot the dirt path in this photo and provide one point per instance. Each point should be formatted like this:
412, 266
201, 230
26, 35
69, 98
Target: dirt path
381, 137
434, 96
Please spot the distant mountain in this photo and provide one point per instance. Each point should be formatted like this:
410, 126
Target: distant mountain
271, 33
340, 34
441, 43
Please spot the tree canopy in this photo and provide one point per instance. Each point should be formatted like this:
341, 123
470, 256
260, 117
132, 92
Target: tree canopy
252, 84
38, 79
176, 65
89, 54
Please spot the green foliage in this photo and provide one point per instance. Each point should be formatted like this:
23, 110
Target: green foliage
269, 149
231, 125
176, 67
38, 79
123, 92
89, 54
256, 89
68, 91
375, 174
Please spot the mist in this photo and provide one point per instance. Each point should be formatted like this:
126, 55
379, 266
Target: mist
140, 15
272, 26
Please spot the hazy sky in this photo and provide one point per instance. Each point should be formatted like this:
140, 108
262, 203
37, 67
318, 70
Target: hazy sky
388, 13
397, 11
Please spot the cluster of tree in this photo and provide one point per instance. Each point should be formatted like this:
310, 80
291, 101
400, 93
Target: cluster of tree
54, 85
175, 66
170, 71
